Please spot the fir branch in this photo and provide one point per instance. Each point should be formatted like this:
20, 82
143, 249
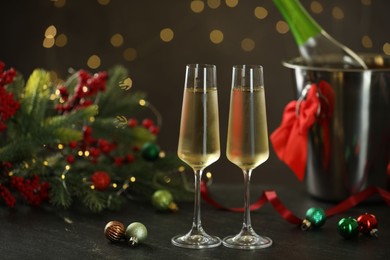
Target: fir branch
18, 150
16, 87
137, 135
94, 200
75, 116
66, 135
59, 195
36, 95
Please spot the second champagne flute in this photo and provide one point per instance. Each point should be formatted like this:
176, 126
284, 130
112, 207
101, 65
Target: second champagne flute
199, 144
247, 142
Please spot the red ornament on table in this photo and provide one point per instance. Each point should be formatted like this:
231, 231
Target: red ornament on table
368, 224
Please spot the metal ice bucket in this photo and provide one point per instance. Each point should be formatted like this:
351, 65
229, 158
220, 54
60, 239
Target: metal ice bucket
359, 140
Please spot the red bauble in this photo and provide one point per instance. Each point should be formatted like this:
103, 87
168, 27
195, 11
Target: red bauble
368, 224
101, 180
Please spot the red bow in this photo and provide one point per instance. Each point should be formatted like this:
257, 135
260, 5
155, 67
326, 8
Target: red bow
289, 140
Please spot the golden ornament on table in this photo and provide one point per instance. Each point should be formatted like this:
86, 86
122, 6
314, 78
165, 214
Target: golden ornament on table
114, 231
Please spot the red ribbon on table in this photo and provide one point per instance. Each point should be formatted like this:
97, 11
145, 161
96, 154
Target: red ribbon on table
290, 139
272, 197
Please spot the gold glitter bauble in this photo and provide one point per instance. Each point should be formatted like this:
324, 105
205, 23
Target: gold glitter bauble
114, 231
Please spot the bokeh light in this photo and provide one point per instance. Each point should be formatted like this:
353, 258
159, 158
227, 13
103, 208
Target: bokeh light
93, 62
216, 36
166, 34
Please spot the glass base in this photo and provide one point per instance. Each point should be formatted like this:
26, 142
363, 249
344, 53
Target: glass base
247, 241
196, 240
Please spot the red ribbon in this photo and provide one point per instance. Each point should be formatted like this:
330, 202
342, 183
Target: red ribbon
272, 197
289, 140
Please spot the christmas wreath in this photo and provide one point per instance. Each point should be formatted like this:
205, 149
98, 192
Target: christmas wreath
80, 140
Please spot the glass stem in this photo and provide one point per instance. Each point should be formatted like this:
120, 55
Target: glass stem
197, 224
247, 212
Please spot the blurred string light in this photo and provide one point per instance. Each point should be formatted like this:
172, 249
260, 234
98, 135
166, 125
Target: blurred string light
248, 44
386, 48
261, 12
216, 36
50, 34
103, 2
337, 13
94, 62
61, 40
59, 3
231, 3
166, 34
282, 27
316, 7
116, 40
213, 4
52, 39
366, 42
197, 6
366, 2
130, 54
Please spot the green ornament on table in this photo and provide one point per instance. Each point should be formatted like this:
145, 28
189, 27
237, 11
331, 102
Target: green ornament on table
163, 200
315, 218
348, 227
150, 151
136, 233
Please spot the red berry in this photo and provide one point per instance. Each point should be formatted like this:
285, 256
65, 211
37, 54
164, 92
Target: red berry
130, 158
132, 122
94, 152
154, 129
70, 158
118, 161
73, 144
87, 130
147, 123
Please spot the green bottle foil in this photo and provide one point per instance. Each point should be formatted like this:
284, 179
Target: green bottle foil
301, 24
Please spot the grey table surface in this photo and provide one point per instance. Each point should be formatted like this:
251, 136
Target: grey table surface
47, 233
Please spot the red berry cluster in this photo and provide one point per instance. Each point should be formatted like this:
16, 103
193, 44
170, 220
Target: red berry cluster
96, 148
8, 105
147, 123
8, 198
7, 76
88, 86
32, 190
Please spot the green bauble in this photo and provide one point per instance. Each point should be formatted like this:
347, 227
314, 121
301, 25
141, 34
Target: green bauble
136, 233
163, 200
315, 218
348, 227
150, 151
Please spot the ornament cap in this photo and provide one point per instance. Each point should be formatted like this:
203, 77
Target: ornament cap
173, 206
374, 232
306, 224
315, 218
133, 241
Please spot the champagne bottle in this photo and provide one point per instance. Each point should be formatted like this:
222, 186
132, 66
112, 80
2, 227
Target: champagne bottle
316, 46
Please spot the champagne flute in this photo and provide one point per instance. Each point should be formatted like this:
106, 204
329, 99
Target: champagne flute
247, 142
199, 144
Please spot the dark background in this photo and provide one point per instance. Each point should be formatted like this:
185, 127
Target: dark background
159, 66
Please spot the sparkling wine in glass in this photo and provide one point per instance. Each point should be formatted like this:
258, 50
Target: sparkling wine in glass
199, 144
247, 143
